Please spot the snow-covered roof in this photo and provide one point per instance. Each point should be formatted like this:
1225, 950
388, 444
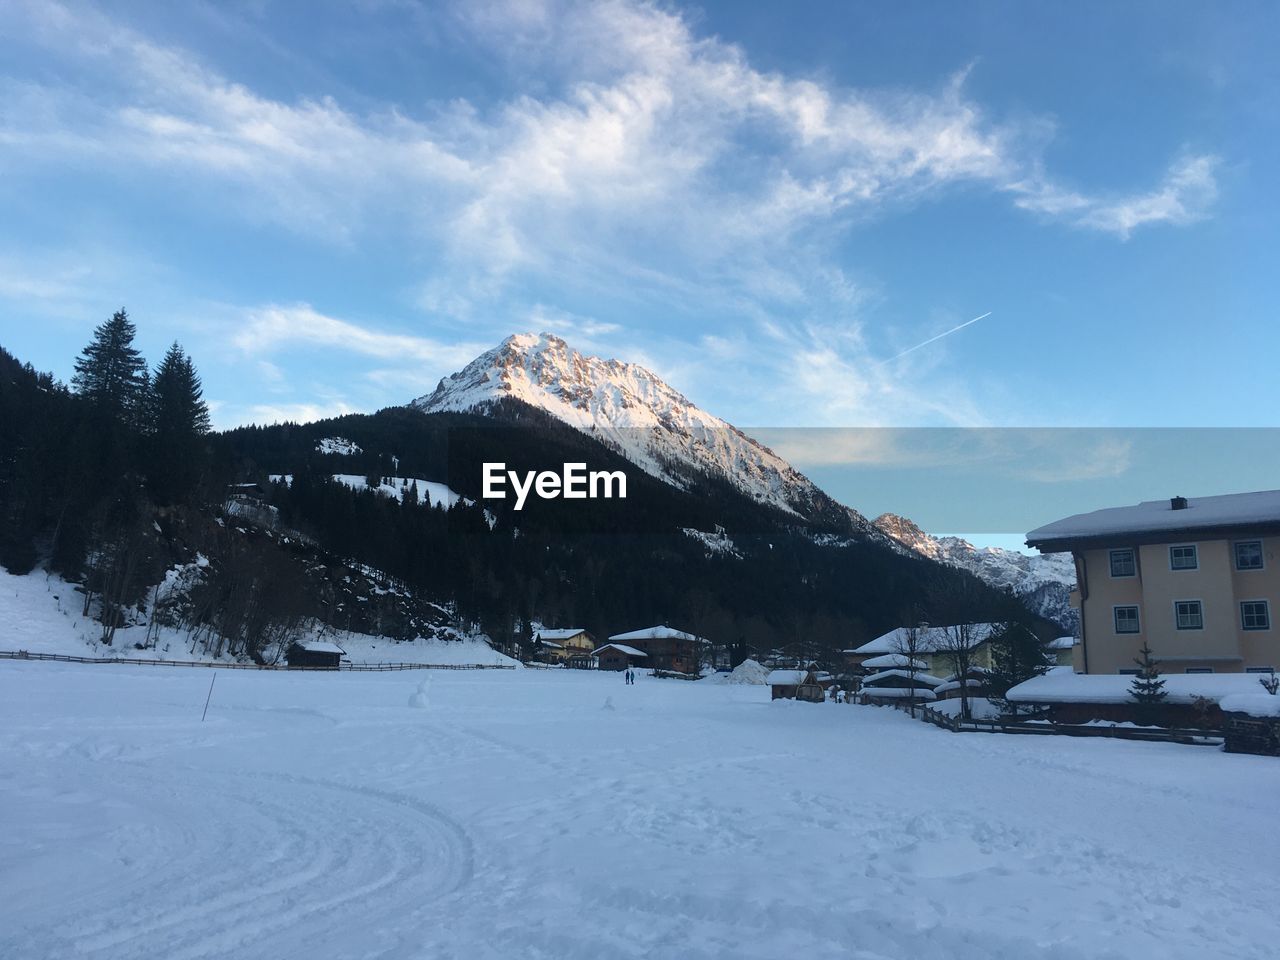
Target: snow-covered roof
1062, 686
1259, 704
787, 678
1159, 516
321, 646
924, 678
899, 693
974, 673
949, 685
888, 660
931, 639
657, 633
1061, 643
621, 648
552, 644
568, 633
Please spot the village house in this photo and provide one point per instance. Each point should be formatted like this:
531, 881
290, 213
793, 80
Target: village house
930, 646
1192, 577
564, 645
619, 656
665, 648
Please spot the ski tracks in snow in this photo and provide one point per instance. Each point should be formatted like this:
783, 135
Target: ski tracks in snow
302, 867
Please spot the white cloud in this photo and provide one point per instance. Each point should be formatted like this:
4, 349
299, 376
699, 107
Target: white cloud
1185, 195
271, 328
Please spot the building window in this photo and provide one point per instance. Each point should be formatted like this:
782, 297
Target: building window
1183, 557
1259, 669
1129, 672
1126, 619
1123, 563
1255, 615
1188, 614
1199, 669
1249, 555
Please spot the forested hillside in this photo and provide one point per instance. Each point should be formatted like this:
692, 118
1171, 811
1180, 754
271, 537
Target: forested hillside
116, 483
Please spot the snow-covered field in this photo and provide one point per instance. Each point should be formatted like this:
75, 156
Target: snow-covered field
562, 814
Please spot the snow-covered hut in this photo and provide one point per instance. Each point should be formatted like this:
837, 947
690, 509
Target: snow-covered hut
314, 655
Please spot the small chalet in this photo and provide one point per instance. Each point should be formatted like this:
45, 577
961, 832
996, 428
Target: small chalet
898, 686
314, 655
619, 656
665, 648
796, 685
930, 645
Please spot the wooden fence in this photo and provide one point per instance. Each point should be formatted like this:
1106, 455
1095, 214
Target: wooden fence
224, 665
1043, 728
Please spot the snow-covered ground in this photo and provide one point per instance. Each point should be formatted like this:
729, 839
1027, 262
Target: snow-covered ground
563, 814
41, 613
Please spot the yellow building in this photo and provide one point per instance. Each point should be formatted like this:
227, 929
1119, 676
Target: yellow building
1194, 578
561, 645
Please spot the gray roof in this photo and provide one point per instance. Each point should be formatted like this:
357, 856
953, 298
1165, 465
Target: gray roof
1158, 516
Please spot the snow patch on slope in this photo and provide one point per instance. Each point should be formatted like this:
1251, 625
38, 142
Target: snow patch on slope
429, 491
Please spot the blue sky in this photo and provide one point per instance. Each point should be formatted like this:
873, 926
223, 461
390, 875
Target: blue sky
333, 205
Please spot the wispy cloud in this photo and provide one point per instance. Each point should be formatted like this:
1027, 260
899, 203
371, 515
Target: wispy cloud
1185, 195
271, 328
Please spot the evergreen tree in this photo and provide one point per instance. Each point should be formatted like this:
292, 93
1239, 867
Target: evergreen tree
1147, 689
1017, 654
110, 372
177, 419
178, 408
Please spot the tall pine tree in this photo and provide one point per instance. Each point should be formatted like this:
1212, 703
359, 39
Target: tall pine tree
110, 372
177, 420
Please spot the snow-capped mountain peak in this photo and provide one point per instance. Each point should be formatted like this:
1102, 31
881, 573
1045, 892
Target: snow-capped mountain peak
1044, 582
632, 410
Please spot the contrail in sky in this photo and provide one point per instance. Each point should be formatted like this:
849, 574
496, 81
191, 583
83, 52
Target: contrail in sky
945, 333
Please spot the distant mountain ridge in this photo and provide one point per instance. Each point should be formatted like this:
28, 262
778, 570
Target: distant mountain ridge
1044, 582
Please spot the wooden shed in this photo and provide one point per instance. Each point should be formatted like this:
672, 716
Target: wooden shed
314, 655
797, 685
